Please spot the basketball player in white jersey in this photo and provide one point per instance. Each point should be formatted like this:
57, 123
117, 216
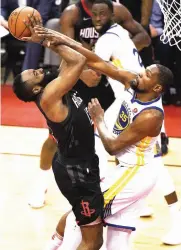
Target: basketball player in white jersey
117, 61
114, 45
131, 142
126, 39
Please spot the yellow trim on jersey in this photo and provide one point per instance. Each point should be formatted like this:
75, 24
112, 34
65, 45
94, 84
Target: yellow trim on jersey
119, 185
141, 147
117, 63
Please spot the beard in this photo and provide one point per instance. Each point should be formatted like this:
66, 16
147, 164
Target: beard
134, 84
48, 77
105, 27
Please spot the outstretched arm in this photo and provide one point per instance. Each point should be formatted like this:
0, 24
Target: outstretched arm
93, 61
152, 120
56, 89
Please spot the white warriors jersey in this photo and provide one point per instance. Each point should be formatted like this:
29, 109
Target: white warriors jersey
117, 47
124, 114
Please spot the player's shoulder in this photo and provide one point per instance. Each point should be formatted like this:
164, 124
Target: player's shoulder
116, 34
113, 27
72, 7
108, 38
71, 12
149, 120
152, 114
113, 31
117, 29
121, 13
118, 6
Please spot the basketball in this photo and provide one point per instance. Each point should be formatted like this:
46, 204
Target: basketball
15, 22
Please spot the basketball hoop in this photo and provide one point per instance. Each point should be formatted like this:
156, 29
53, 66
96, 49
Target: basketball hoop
171, 10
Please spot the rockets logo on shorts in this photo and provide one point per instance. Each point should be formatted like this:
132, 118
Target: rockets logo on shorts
123, 119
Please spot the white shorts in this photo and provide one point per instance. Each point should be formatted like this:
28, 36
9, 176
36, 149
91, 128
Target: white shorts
158, 162
124, 190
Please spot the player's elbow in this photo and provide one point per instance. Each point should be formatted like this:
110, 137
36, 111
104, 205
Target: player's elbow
147, 40
78, 60
111, 152
111, 149
81, 60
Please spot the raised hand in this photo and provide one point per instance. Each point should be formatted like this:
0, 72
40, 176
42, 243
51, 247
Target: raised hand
54, 37
33, 21
95, 110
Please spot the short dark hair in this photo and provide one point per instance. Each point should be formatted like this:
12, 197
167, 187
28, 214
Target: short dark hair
165, 76
22, 90
107, 2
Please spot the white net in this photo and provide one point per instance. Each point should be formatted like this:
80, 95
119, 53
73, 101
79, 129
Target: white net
171, 10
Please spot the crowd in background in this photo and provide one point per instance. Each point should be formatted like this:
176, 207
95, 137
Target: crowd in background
18, 55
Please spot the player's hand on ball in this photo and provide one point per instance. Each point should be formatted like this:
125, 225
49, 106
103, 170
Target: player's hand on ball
44, 32
95, 110
33, 21
54, 37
